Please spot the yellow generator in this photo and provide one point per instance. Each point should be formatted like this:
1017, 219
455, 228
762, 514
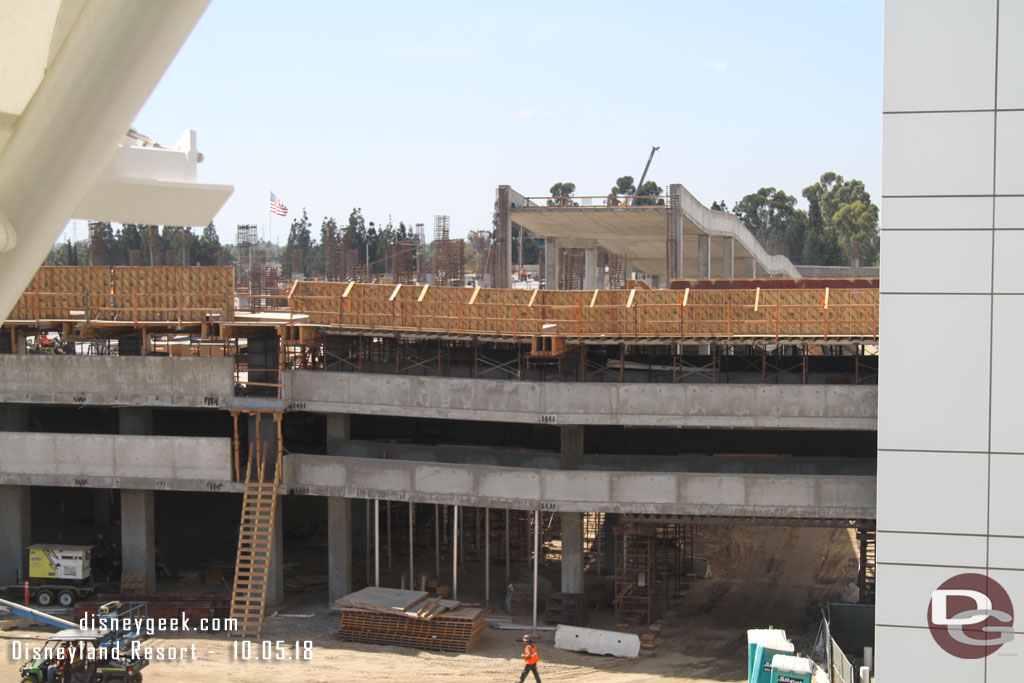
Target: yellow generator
71, 562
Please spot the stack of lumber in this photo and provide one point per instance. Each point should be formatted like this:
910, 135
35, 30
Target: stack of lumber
389, 616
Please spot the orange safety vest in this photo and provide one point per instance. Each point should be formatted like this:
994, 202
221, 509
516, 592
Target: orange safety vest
530, 653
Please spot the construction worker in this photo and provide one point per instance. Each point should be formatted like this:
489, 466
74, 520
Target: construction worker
531, 657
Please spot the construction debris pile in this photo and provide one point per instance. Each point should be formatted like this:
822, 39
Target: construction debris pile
389, 616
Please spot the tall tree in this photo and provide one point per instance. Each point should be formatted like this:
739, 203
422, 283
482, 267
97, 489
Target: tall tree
561, 193
209, 247
299, 237
856, 238
772, 216
648, 194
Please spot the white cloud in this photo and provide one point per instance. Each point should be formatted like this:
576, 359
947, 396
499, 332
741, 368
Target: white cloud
714, 66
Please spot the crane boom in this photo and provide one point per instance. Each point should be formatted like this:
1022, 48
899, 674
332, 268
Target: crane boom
644, 175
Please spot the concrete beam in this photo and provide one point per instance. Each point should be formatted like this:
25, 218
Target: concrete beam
686, 493
117, 380
138, 535
15, 531
339, 547
188, 463
572, 551
755, 406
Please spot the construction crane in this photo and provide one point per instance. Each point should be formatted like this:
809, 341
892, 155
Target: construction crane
646, 168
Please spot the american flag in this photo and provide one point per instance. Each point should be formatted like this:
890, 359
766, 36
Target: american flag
276, 206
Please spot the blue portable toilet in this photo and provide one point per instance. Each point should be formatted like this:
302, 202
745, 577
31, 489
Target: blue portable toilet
762, 671
776, 641
789, 669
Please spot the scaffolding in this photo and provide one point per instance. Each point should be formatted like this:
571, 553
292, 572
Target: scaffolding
502, 230
262, 281
449, 262
97, 248
573, 266
442, 224
617, 271
246, 240
637, 599
153, 245
403, 257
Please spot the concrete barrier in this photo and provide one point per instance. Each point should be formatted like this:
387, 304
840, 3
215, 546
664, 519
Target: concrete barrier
116, 461
117, 380
597, 642
804, 496
754, 406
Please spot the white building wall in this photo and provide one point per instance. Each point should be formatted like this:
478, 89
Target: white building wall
950, 413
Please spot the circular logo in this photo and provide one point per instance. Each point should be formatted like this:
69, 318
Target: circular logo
970, 616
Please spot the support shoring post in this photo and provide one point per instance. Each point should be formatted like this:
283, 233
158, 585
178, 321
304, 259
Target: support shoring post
508, 561
412, 565
487, 558
388, 513
536, 563
455, 553
437, 541
376, 542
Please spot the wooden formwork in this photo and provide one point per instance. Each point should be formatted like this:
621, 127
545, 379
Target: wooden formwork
696, 314
192, 294
127, 294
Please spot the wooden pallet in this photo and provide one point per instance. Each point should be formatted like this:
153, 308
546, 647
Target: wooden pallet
255, 543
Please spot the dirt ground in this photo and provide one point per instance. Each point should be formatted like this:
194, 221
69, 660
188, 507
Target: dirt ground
761, 576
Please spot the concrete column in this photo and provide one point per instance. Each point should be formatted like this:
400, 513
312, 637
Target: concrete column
675, 227
13, 417
590, 269
751, 268
136, 421
703, 256
728, 251
20, 337
138, 539
572, 447
339, 547
339, 431
101, 507
551, 269
15, 531
572, 551
275, 572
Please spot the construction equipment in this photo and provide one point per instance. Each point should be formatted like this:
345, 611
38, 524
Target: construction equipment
56, 573
643, 176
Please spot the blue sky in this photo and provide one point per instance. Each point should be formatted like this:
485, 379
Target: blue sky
415, 109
